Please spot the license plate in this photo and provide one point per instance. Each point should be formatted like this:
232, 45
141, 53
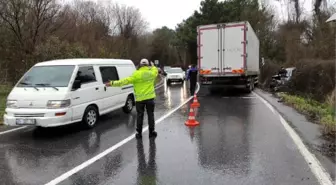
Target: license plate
206, 82
25, 121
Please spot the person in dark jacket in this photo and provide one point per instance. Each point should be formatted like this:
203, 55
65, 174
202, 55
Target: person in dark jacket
192, 77
282, 72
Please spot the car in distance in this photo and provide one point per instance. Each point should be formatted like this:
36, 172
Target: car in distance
175, 74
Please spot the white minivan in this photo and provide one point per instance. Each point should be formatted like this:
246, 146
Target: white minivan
61, 92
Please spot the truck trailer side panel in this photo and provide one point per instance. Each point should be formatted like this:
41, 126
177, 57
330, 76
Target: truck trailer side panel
252, 48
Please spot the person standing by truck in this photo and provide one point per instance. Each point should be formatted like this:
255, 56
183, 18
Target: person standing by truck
192, 77
143, 81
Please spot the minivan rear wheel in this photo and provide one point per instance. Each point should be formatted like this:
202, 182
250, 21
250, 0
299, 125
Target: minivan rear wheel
90, 117
128, 105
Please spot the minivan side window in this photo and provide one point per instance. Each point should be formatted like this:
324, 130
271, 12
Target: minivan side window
86, 74
109, 73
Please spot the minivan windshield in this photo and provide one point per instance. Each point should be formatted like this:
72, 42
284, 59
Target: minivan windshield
47, 76
175, 70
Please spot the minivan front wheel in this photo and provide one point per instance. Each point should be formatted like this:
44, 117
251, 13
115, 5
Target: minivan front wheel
128, 105
90, 117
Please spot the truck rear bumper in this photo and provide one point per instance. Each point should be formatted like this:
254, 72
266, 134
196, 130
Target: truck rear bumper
225, 86
227, 81
233, 80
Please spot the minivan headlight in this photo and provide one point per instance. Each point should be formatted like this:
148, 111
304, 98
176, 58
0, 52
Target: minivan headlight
11, 104
56, 104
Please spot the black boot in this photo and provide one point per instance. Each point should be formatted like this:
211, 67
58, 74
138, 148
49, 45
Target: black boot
152, 134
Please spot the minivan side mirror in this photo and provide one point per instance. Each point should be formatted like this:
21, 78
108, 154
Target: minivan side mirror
76, 85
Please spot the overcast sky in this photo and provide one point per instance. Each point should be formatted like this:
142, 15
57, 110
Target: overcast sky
161, 12
171, 12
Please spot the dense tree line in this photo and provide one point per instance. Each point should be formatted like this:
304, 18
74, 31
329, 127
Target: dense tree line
37, 30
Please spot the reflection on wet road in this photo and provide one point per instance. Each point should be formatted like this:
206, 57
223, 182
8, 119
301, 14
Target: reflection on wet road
239, 141
146, 170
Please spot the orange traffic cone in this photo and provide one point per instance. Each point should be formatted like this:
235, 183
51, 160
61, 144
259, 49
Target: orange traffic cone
195, 103
191, 119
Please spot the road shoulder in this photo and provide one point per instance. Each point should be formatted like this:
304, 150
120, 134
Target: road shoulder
309, 132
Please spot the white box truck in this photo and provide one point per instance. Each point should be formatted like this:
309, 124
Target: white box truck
228, 55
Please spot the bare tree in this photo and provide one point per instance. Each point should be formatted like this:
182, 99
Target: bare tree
129, 21
318, 5
130, 25
30, 20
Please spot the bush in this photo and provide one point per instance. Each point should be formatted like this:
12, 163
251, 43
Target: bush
266, 72
314, 79
54, 48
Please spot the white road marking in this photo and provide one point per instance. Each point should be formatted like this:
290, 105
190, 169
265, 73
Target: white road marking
320, 173
19, 128
161, 83
12, 130
114, 147
159, 86
265, 102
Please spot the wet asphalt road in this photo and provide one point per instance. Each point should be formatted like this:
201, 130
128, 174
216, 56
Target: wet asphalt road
239, 141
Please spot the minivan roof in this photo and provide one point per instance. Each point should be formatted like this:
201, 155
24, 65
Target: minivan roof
86, 61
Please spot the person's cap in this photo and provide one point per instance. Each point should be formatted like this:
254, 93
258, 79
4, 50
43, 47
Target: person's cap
144, 62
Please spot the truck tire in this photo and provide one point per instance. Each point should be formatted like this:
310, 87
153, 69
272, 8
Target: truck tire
250, 87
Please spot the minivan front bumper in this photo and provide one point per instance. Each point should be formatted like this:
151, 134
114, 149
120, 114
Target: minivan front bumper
40, 117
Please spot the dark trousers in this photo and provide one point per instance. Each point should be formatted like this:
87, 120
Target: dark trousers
192, 87
149, 105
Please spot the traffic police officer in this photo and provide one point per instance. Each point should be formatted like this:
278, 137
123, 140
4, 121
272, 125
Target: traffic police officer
192, 77
143, 81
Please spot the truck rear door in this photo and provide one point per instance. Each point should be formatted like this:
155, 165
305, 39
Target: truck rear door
233, 48
209, 42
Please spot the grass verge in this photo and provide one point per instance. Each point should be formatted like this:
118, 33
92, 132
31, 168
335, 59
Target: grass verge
4, 91
322, 113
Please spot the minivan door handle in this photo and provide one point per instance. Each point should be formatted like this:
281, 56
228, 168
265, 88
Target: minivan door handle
97, 88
